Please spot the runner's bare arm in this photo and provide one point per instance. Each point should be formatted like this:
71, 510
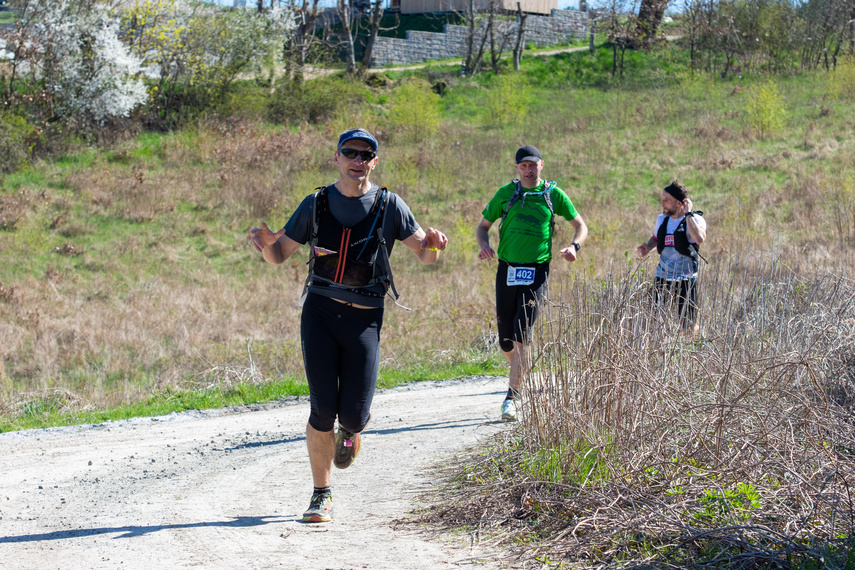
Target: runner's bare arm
482, 234
427, 245
581, 234
276, 247
697, 233
646, 247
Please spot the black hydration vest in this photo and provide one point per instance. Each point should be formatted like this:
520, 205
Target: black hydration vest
681, 240
347, 257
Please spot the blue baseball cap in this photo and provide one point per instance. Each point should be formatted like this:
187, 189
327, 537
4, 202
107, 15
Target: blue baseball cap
357, 134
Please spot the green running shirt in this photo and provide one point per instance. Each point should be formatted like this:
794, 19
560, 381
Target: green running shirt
524, 236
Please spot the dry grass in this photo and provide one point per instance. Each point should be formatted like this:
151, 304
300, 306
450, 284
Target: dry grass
640, 448
131, 270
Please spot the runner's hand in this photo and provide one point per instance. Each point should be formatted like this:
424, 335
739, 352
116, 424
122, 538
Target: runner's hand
569, 253
262, 237
434, 239
487, 253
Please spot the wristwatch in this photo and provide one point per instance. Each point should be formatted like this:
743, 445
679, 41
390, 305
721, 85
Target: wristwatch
690, 214
576, 245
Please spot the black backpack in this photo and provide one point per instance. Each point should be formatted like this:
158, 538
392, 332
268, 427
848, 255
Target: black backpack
681, 241
384, 279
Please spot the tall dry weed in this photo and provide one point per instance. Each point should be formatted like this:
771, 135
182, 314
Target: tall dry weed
641, 447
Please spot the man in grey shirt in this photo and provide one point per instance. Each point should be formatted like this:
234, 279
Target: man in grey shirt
351, 226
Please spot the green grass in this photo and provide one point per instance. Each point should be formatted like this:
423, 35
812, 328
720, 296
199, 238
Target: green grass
53, 410
49, 412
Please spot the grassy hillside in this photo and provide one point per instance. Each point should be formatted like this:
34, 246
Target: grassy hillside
127, 274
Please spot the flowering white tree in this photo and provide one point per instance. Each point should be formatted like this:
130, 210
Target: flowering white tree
69, 52
87, 61
192, 51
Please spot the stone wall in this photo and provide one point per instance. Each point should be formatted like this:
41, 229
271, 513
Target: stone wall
560, 27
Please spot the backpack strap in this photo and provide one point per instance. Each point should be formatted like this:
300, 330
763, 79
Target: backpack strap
520, 193
313, 241
681, 242
514, 197
381, 208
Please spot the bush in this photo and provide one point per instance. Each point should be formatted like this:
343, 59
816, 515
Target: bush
415, 109
841, 82
16, 142
508, 100
765, 110
315, 100
194, 52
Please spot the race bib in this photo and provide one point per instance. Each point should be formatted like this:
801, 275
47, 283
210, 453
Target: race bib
520, 275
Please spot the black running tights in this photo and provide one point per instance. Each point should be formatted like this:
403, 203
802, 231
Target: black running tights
341, 355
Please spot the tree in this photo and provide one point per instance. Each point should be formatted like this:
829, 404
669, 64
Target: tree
302, 38
373, 29
520, 43
497, 46
650, 15
345, 13
68, 53
621, 28
474, 49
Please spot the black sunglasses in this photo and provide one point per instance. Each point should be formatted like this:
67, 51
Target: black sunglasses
352, 153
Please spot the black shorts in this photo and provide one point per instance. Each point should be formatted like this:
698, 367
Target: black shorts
341, 353
683, 293
517, 306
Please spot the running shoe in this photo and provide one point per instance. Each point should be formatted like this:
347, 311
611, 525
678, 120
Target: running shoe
320, 509
509, 411
346, 448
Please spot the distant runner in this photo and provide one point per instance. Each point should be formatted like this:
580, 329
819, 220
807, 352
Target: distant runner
351, 226
527, 208
677, 235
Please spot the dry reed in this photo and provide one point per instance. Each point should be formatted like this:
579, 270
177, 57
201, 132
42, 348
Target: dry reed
642, 448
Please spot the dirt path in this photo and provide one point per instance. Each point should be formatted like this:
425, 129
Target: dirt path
227, 488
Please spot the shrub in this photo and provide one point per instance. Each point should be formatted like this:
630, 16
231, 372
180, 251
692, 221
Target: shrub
415, 109
193, 52
765, 109
508, 100
313, 101
70, 58
16, 142
841, 81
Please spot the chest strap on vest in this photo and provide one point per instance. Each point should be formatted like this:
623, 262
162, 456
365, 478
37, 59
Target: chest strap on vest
385, 279
681, 241
520, 195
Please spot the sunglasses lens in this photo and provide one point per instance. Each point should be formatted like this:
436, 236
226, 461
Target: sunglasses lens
353, 153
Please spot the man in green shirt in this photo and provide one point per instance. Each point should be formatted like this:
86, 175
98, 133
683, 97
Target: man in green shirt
527, 208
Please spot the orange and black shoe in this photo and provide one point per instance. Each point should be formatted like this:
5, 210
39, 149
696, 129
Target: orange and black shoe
347, 446
320, 508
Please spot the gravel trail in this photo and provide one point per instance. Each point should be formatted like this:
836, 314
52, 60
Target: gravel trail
227, 488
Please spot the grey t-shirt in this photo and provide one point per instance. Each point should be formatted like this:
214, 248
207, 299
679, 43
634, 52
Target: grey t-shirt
399, 224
